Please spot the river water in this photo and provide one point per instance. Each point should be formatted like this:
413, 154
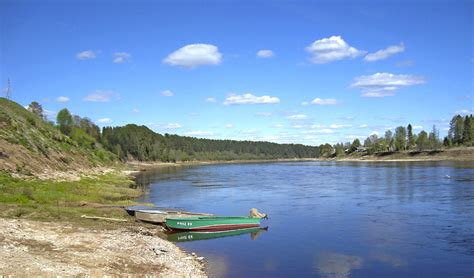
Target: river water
330, 219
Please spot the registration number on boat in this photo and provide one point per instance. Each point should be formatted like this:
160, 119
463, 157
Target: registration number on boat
184, 223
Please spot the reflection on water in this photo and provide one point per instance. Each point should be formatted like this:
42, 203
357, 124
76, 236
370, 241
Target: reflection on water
332, 219
334, 265
182, 236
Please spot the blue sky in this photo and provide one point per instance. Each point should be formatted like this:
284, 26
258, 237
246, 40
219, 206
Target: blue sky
283, 71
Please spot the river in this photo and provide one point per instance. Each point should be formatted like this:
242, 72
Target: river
330, 219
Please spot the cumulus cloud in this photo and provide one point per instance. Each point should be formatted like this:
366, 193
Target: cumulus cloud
167, 93
324, 131
121, 57
335, 126
234, 99
102, 96
265, 53
229, 126
298, 117
199, 133
104, 120
465, 111
194, 55
211, 99
331, 49
384, 84
324, 101
171, 126
385, 53
86, 55
62, 99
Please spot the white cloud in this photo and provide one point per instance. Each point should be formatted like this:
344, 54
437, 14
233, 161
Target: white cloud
417, 127
465, 111
135, 110
298, 126
46, 112
229, 126
102, 96
85, 55
374, 133
278, 125
121, 57
62, 99
384, 84
250, 99
297, 117
249, 131
353, 137
104, 120
325, 131
363, 126
211, 99
385, 53
199, 133
171, 126
335, 126
265, 53
348, 118
331, 49
324, 101
194, 55
167, 93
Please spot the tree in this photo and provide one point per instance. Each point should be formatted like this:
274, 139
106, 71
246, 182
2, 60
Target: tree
411, 142
36, 109
339, 149
422, 140
433, 138
65, 121
447, 141
456, 129
467, 135
400, 138
355, 144
389, 139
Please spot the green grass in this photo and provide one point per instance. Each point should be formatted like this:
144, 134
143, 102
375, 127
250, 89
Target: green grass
46, 200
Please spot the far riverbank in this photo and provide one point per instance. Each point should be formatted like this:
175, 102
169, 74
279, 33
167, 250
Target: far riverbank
453, 154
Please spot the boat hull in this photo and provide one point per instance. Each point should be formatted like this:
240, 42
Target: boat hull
159, 217
212, 223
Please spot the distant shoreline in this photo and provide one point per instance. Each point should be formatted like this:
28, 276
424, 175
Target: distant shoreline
465, 154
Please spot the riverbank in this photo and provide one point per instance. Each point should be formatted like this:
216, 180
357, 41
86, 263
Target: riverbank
44, 249
44, 233
452, 154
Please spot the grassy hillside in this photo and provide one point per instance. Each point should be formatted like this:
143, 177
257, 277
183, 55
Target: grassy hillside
31, 146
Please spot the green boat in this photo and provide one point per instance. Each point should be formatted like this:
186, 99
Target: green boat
216, 223
204, 235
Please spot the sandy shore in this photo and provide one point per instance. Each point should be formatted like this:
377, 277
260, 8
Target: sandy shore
45, 249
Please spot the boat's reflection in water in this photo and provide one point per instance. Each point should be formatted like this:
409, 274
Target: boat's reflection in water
181, 236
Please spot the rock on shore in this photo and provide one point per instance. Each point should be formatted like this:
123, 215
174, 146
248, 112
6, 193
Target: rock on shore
32, 248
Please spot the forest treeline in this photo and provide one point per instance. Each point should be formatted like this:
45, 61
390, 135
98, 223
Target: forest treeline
133, 142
